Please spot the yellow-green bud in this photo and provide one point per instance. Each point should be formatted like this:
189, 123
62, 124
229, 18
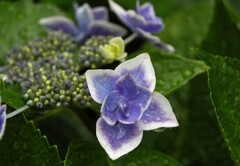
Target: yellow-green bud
114, 50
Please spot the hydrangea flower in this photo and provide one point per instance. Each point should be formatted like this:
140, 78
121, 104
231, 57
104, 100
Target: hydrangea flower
3, 109
89, 22
115, 49
142, 21
129, 104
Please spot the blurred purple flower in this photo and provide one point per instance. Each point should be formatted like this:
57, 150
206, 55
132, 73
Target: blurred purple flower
129, 104
89, 22
142, 21
3, 109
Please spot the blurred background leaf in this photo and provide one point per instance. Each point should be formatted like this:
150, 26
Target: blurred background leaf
19, 23
223, 35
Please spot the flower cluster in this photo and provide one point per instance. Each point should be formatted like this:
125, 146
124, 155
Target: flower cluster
50, 69
48, 75
129, 104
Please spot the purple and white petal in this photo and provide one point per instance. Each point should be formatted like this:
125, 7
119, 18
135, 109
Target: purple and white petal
3, 109
119, 139
100, 13
155, 41
143, 98
59, 23
159, 114
141, 69
84, 17
131, 115
127, 86
146, 10
106, 28
110, 107
118, 10
101, 83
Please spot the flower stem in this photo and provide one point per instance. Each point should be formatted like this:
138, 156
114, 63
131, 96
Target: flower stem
130, 38
18, 111
3, 68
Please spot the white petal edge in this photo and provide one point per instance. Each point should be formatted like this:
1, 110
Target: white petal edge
167, 109
113, 154
99, 95
145, 61
116, 8
4, 120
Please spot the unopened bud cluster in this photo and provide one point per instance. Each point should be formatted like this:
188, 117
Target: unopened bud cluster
47, 72
90, 55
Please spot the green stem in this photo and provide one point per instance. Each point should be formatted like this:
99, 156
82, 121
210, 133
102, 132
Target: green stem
130, 38
16, 112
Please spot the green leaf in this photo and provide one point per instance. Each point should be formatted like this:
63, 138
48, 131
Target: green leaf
22, 144
223, 35
173, 71
224, 81
92, 154
233, 7
185, 28
11, 95
20, 23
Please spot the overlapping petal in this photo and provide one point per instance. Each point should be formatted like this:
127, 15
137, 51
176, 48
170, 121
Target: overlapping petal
119, 139
3, 109
159, 114
100, 13
141, 69
105, 28
84, 17
59, 23
101, 83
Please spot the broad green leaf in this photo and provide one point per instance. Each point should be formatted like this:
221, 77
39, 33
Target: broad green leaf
22, 144
224, 81
186, 27
223, 35
19, 23
11, 95
173, 71
92, 154
233, 7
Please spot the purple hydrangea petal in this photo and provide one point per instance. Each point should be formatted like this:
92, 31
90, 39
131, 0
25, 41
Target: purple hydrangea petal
3, 109
84, 17
110, 107
135, 112
127, 86
141, 69
147, 11
119, 11
119, 139
155, 40
159, 114
59, 23
100, 13
134, 21
101, 83
143, 98
106, 28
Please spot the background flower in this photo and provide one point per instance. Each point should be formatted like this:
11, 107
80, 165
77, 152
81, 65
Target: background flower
89, 22
142, 21
129, 104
